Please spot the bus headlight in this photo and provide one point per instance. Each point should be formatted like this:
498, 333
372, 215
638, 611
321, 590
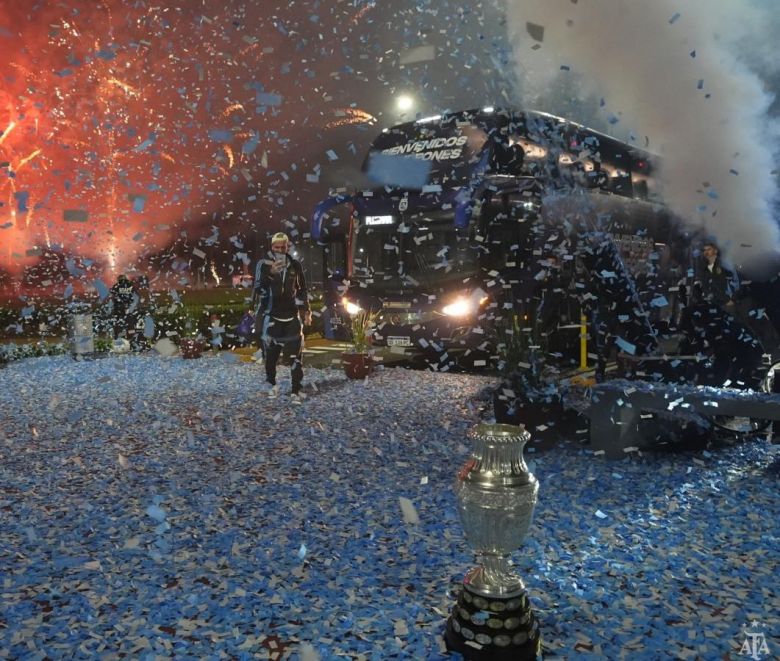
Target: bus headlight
465, 306
461, 307
350, 307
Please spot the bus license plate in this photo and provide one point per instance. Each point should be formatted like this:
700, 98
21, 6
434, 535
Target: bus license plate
398, 341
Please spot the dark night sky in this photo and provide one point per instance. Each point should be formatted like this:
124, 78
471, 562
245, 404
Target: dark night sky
130, 126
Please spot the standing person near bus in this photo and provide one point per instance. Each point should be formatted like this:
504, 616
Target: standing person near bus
719, 287
283, 310
714, 325
718, 284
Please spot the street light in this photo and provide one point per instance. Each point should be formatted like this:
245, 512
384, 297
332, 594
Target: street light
404, 102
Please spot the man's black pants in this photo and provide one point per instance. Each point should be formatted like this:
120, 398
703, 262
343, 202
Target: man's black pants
283, 336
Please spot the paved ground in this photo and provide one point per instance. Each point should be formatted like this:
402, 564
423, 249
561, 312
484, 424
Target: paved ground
155, 507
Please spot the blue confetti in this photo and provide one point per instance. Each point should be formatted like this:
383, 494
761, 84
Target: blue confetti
268, 99
22, 197
249, 146
116, 435
156, 512
221, 135
149, 327
146, 144
101, 289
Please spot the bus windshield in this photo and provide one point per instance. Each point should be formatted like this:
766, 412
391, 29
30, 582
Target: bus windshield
453, 146
419, 253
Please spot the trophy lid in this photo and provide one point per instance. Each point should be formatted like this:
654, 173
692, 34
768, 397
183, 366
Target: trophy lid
500, 432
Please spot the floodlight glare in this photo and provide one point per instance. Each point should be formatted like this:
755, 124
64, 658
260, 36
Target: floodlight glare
404, 102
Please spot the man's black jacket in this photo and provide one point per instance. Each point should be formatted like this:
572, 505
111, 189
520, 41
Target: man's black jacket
282, 294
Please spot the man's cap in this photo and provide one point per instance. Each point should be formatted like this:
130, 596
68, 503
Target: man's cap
280, 237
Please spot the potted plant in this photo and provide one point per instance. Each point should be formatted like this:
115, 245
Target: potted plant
191, 347
522, 397
358, 362
102, 346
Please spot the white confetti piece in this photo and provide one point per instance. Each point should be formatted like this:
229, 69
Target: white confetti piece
408, 510
308, 653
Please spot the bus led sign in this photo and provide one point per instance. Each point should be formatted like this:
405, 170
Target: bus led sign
379, 220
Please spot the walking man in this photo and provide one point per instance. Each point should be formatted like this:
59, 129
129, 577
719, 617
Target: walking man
283, 310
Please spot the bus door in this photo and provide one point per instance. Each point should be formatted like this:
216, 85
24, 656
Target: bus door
332, 230
505, 231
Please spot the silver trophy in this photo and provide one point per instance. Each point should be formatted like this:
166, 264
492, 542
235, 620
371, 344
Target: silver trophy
496, 498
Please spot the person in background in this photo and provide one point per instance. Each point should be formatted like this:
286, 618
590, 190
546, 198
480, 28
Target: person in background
720, 286
124, 303
283, 309
717, 284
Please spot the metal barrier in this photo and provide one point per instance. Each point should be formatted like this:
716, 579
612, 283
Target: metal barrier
617, 407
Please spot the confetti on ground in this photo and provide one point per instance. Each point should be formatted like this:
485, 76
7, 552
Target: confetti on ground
167, 507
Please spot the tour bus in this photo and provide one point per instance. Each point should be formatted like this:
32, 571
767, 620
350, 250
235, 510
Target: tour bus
478, 216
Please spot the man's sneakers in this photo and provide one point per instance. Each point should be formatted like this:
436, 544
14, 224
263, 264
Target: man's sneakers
295, 397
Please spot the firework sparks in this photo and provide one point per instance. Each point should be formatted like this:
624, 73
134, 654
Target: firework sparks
7, 131
232, 108
229, 152
362, 12
122, 122
349, 116
123, 86
26, 159
91, 126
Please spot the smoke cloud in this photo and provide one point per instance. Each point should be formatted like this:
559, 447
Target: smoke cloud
686, 81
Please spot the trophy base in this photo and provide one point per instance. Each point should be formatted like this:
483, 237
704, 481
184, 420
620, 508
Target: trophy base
493, 628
